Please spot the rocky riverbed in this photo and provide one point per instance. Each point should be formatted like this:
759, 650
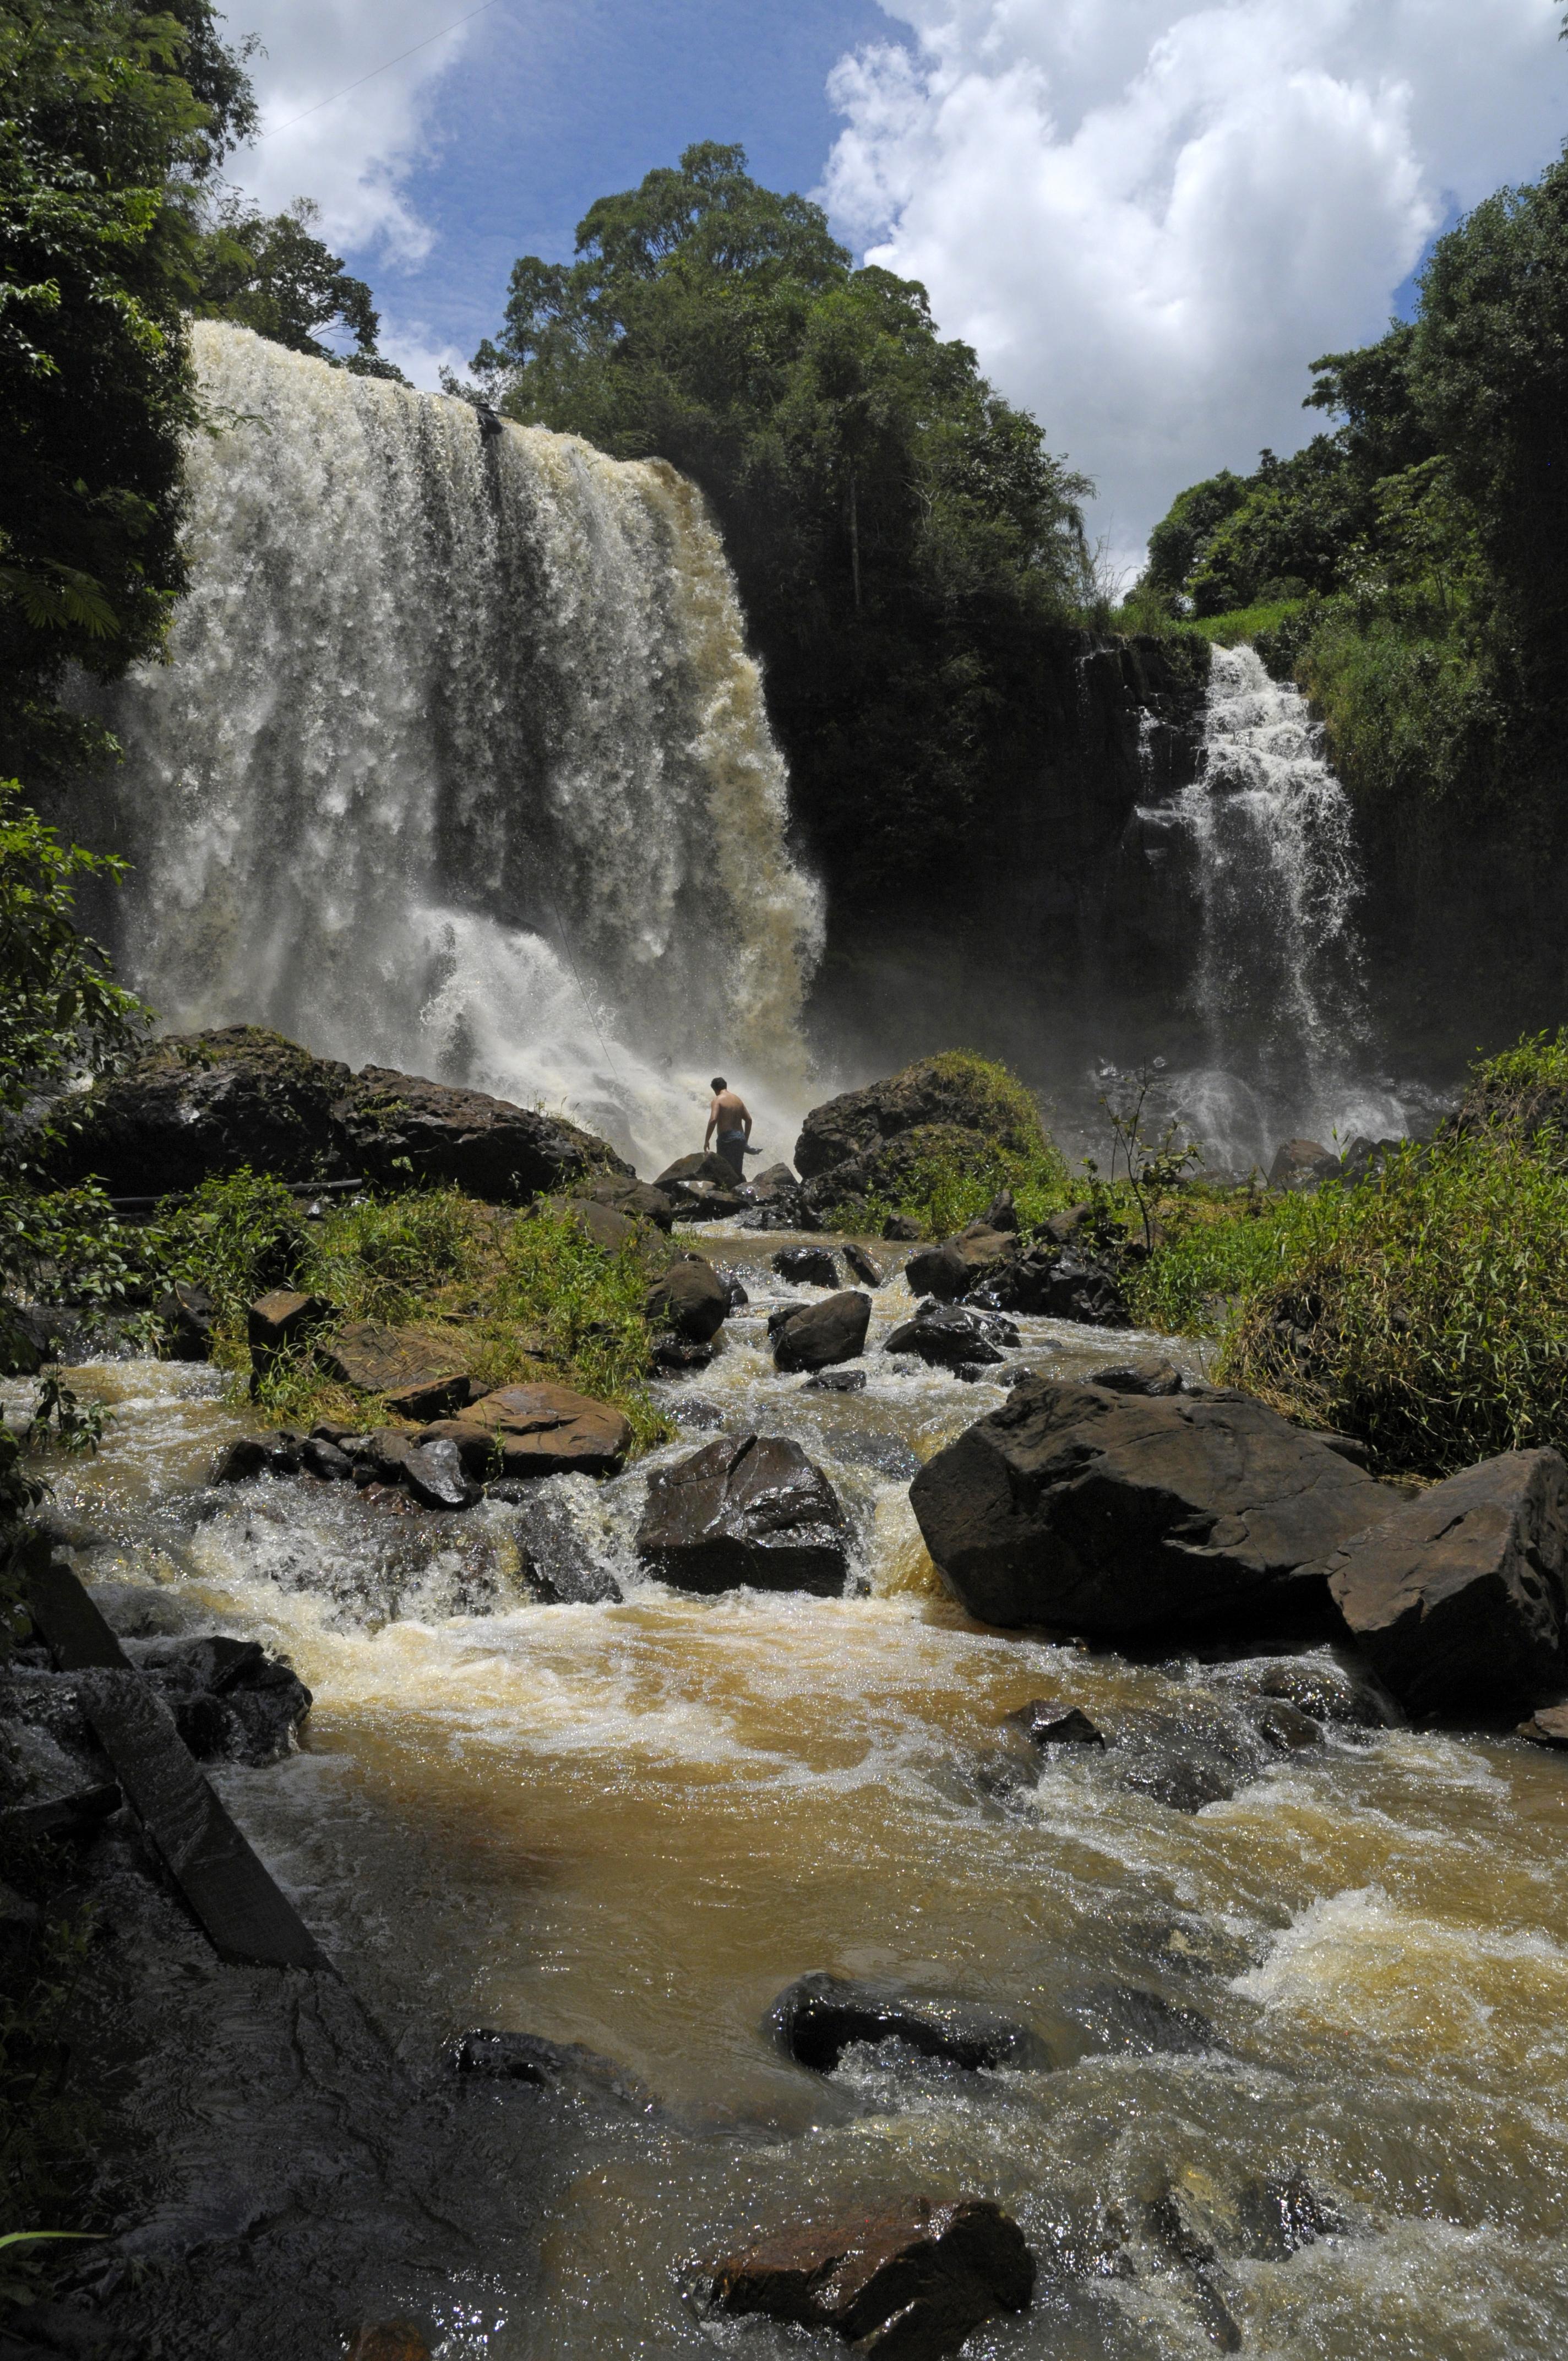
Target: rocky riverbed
1285, 1974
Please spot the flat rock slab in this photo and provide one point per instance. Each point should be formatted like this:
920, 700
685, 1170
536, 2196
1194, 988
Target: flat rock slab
819, 2016
1457, 1598
907, 2283
535, 1430
747, 1509
1548, 1726
419, 1374
1118, 1516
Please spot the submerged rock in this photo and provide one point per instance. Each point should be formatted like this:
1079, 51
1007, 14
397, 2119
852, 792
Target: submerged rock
230, 1699
747, 1509
836, 1381
908, 2283
562, 2066
1052, 1721
1458, 1597
1116, 1516
1126, 2017
818, 1335
819, 2016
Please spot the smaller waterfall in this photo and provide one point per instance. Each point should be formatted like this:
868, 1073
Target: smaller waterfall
1278, 985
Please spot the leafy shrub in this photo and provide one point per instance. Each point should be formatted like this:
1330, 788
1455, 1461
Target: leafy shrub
385, 1257
1212, 1250
946, 1174
238, 1236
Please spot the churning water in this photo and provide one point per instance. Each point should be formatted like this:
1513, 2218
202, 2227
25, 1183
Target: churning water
632, 1825
460, 763
1278, 986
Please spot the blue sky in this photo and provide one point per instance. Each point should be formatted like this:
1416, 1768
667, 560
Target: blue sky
1148, 215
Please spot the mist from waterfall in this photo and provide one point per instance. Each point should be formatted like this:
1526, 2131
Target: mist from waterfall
460, 763
1278, 986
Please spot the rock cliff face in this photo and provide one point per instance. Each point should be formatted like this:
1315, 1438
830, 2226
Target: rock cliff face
1047, 937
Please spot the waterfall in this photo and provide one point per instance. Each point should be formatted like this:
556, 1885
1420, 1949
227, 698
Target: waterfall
459, 763
1278, 985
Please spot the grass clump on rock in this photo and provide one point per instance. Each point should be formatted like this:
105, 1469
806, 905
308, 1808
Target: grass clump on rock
938, 1142
512, 1295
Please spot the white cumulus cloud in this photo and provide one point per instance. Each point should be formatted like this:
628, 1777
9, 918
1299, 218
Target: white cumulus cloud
352, 154
1149, 216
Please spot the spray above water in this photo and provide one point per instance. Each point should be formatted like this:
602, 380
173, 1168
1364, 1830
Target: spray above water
1279, 986
460, 763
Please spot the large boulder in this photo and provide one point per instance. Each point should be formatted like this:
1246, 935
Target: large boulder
815, 1336
954, 1090
908, 2283
1458, 1597
535, 1430
691, 1299
1055, 1283
1118, 1516
192, 1106
747, 1509
950, 1336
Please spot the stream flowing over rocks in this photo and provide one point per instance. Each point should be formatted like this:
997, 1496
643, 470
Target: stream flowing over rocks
706, 1950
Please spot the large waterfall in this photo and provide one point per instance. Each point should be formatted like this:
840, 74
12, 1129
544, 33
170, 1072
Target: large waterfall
460, 763
1278, 985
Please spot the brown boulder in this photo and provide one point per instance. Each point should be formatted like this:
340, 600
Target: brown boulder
815, 1336
747, 1509
1117, 1515
908, 2283
1299, 1163
691, 1299
536, 1430
1458, 1597
394, 1124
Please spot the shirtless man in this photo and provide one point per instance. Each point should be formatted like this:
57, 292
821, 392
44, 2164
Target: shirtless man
728, 1117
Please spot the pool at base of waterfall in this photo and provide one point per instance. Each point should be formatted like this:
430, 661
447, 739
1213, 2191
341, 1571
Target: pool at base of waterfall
1298, 2076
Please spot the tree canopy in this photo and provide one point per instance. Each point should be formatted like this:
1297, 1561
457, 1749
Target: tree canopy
273, 274
900, 533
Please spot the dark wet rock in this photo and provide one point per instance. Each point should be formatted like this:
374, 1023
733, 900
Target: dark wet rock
862, 1265
1113, 1515
773, 1179
736, 1285
1457, 1598
695, 1409
1002, 1214
836, 1381
60, 1818
1282, 1725
807, 1266
533, 1431
1053, 1721
1547, 1725
34, 1335
433, 1474
1283, 2212
185, 1315
192, 1106
382, 1455
819, 2016
639, 1199
320, 1457
1318, 1687
1156, 1378
947, 1334
1053, 1283
701, 1166
230, 1699
559, 1567
703, 1187
1183, 1782
1299, 1163
1127, 2018
395, 1123
677, 1356
900, 1228
973, 1373
816, 1336
417, 1373
747, 1509
690, 1299
907, 2283
276, 1454
938, 1270
561, 2065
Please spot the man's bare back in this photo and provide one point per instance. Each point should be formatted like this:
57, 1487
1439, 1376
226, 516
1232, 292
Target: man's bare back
729, 1118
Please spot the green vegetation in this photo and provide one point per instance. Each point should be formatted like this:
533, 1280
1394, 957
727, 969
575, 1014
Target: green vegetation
943, 1175
272, 274
519, 1295
1416, 556
901, 535
1424, 1310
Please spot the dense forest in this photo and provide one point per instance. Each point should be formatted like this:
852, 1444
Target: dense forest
901, 535
1411, 566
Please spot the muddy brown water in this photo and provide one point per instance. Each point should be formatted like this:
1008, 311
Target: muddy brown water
632, 1825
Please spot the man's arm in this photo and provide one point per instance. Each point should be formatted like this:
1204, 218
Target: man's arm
712, 1119
746, 1119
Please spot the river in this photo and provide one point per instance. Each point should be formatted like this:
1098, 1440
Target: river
631, 1825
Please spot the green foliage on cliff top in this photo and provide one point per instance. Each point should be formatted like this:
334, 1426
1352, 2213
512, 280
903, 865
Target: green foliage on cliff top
901, 535
944, 1174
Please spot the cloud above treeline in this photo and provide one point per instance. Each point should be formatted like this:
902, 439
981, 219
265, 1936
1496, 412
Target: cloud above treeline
1148, 217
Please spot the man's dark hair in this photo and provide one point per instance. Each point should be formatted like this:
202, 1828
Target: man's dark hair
718, 1083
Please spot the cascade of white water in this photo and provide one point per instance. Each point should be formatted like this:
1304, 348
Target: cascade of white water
1279, 984
460, 765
